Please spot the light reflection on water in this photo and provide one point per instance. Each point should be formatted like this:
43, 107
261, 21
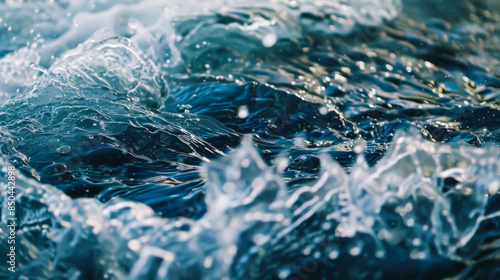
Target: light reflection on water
124, 120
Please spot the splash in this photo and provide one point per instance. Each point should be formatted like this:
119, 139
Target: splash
369, 139
427, 201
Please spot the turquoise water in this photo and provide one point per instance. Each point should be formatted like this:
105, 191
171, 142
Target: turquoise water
265, 140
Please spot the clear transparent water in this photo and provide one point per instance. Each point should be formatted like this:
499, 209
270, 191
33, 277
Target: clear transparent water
272, 140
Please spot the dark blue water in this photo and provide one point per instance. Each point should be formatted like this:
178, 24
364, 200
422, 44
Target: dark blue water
266, 140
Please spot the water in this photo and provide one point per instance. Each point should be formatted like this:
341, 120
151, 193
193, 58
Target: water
272, 140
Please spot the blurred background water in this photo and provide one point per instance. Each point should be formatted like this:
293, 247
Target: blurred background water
370, 133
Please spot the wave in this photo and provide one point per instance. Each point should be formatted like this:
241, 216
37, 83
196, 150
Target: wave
369, 141
421, 203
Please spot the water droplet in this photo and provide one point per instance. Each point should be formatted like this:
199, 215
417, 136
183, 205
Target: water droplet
269, 40
134, 245
327, 226
284, 273
63, 150
493, 187
323, 111
380, 254
333, 254
243, 112
207, 263
355, 251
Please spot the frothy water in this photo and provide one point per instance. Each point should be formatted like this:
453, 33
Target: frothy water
264, 140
